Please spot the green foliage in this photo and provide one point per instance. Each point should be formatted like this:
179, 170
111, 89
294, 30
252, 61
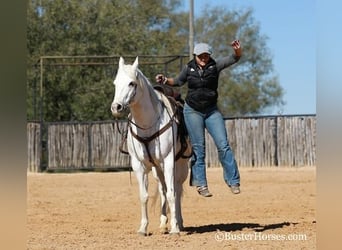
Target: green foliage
74, 28
135, 28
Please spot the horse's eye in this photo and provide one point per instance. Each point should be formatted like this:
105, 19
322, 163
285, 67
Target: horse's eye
131, 84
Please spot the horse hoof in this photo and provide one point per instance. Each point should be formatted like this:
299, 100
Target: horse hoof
175, 233
142, 233
163, 230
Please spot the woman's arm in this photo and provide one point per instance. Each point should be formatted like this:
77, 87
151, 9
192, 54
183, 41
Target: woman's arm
178, 81
229, 60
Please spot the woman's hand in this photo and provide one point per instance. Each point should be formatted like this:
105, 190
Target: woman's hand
161, 79
237, 47
236, 44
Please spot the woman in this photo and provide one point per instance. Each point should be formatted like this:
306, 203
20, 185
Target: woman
201, 112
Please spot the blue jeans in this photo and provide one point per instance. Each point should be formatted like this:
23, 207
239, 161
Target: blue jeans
196, 123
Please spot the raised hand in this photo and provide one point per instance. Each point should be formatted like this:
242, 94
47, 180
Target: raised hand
236, 44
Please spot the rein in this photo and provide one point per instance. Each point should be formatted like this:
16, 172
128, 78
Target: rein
123, 134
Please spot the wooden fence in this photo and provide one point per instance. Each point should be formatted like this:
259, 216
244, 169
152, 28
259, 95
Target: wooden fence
33, 147
269, 141
85, 146
256, 141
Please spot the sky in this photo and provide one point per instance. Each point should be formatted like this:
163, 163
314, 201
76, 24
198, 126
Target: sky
290, 28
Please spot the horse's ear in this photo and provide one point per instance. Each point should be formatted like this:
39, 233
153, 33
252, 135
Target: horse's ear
121, 62
135, 64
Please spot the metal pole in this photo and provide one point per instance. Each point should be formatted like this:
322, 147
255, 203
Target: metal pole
41, 116
41, 79
191, 29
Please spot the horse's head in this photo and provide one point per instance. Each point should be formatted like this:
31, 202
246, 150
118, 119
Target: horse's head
126, 84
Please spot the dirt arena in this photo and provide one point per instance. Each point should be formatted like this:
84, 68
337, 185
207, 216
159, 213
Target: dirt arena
275, 210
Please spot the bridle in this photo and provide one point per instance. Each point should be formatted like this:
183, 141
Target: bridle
125, 105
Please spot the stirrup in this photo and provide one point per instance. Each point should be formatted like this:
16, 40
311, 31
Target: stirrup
204, 191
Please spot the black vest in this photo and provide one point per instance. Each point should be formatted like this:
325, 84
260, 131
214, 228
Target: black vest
202, 86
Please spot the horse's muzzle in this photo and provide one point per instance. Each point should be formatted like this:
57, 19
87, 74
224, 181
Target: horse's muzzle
117, 109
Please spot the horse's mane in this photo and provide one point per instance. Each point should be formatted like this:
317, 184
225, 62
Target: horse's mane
143, 80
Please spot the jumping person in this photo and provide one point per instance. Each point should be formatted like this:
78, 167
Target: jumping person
201, 112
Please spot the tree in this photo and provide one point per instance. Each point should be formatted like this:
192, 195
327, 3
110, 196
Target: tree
136, 27
71, 27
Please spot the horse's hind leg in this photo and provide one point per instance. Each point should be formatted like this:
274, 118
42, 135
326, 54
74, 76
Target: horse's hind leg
142, 178
181, 175
171, 197
163, 203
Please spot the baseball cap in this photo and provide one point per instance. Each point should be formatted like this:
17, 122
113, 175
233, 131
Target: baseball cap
201, 48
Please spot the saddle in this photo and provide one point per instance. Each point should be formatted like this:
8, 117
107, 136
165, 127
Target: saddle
169, 92
177, 105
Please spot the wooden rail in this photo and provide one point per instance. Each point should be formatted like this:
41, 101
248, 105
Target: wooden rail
256, 141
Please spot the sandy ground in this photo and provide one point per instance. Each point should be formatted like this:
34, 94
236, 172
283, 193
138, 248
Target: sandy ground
275, 210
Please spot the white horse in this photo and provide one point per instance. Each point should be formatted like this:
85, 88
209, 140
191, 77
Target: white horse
153, 143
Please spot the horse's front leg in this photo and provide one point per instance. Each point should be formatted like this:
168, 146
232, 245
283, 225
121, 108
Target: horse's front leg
169, 173
142, 177
158, 174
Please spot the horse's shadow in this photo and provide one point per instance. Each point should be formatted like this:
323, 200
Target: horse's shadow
231, 227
